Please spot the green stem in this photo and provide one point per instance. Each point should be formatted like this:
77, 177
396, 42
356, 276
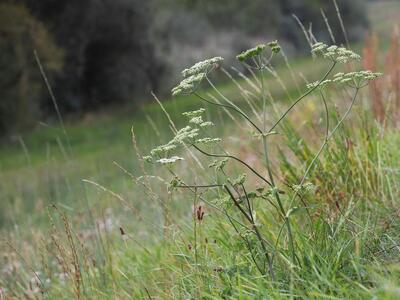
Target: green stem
302, 97
269, 169
256, 231
234, 158
232, 108
248, 245
328, 137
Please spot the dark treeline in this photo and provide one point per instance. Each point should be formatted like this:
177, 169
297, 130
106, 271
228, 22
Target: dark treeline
100, 52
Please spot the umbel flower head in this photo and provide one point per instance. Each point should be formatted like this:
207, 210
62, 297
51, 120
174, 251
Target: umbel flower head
320, 84
194, 75
252, 52
202, 66
188, 85
275, 47
194, 113
187, 135
334, 53
257, 50
196, 118
170, 160
356, 78
207, 140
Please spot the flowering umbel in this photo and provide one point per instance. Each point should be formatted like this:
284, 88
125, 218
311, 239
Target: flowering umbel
258, 50
187, 135
334, 53
194, 75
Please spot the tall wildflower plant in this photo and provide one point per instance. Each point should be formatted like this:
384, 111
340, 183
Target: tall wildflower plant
238, 198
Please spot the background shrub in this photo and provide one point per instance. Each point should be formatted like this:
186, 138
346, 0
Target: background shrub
20, 82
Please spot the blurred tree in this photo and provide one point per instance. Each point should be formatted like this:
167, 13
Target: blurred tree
20, 82
118, 50
108, 54
120, 61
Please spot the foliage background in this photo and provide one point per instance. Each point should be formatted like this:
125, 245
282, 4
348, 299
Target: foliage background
103, 52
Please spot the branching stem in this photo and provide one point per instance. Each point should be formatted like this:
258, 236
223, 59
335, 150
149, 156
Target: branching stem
234, 158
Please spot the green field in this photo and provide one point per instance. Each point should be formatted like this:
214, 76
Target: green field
72, 197
49, 165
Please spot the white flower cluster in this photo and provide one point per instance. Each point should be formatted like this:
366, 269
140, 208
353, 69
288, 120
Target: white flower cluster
196, 118
186, 135
194, 75
202, 66
168, 161
358, 78
208, 140
194, 113
335, 53
188, 85
207, 124
162, 149
319, 84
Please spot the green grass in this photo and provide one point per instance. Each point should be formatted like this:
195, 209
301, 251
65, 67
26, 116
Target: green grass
48, 168
350, 253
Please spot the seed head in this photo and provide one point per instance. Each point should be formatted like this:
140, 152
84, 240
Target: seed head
199, 212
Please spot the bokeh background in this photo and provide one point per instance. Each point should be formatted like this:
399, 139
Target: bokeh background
98, 53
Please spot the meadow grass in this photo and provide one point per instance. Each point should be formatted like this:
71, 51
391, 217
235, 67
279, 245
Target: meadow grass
118, 235
350, 255
42, 167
